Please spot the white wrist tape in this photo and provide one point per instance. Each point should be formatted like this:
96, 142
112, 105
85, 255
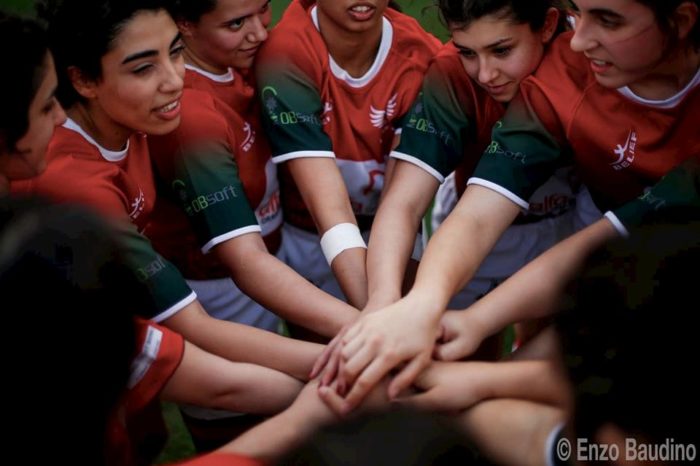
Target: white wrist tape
339, 238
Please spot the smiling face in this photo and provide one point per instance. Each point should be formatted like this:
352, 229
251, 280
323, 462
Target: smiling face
354, 16
141, 80
621, 38
498, 53
44, 114
229, 35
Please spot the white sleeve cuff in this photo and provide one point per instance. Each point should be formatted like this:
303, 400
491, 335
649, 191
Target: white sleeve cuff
617, 224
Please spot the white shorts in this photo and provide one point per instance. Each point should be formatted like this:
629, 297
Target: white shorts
222, 299
586, 211
518, 245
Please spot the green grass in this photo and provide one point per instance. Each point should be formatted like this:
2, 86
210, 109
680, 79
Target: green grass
19, 6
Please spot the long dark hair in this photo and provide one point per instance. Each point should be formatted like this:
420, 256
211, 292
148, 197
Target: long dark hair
24, 49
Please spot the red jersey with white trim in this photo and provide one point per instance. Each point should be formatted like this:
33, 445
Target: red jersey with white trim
137, 432
621, 144
120, 186
449, 127
213, 167
253, 157
312, 107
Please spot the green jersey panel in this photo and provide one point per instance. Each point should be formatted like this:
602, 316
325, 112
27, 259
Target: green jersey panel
207, 186
292, 112
434, 130
679, 188
167, 287
524, 152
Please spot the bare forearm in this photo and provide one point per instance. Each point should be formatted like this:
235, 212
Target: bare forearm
537, 381
390, 246
273, 438
325, 195
279, 288
242, 343
349, 268
536, 289
406, 199
522, 426
462, 242
207, 380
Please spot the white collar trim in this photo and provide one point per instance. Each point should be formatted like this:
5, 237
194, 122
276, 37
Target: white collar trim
671, 102
382, 53
219, 78
109, 155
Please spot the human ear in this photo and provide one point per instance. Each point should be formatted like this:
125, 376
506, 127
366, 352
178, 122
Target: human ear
82, 84
551, 22
685, 18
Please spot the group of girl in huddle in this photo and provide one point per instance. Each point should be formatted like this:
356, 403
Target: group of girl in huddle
254, 175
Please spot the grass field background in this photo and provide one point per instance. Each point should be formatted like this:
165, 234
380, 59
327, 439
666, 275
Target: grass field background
179, 444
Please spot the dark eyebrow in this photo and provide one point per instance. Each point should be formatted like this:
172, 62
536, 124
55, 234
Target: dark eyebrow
605, 12
498, 42
149, 53
490, 46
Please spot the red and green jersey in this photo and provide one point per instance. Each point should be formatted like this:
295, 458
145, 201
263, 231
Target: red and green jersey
449, 125
234, 88
621, 144
120, 186
137, 432
212, 168
314, 108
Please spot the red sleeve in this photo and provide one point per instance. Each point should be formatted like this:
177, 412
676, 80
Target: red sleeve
158, 355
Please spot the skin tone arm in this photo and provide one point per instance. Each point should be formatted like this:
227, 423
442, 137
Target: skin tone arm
454, 386
281, 434
533, 292
404, 201
394, 231
242, 343
323, 190
204, 379
276, 286
521, 426
405, 332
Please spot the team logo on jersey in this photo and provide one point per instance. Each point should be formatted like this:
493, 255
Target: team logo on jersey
625, 154
269, 96
327, 112
137, 206
380, 118
249, 137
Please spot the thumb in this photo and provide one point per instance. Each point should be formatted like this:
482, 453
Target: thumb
451, 351
408, 374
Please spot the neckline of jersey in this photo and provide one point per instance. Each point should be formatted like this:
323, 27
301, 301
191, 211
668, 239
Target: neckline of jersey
671, 102
382, 53
109, 155
219, 78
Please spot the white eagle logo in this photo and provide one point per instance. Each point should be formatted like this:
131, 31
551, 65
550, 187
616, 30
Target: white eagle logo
249, 137
138, 205
378, 117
